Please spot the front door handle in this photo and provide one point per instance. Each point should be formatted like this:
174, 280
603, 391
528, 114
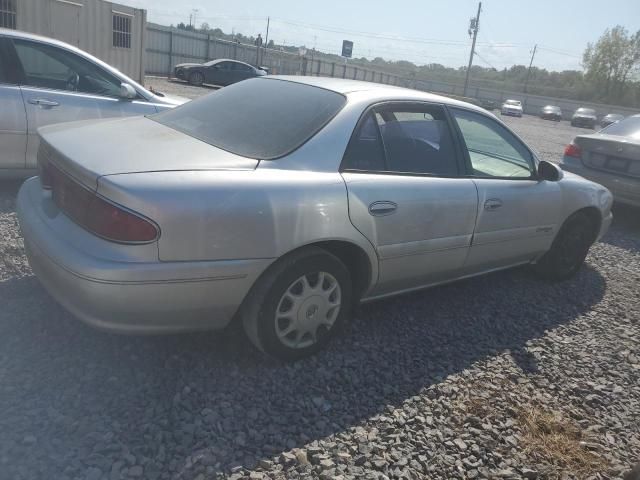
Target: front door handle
43, 102
381, 208
492, 204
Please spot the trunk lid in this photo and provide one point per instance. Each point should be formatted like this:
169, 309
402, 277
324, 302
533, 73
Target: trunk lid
88, 150
610, 153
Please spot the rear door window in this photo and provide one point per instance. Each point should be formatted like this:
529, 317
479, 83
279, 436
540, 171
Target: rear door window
404, 138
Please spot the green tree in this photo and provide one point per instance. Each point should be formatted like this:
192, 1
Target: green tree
610, 62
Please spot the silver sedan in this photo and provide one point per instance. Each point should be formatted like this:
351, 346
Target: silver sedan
44, 81
281, 202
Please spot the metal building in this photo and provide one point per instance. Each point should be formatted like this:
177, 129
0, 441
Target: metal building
112, 32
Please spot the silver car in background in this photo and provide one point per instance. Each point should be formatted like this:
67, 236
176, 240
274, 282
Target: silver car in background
511, 107
610, 157
316, 194
44, 81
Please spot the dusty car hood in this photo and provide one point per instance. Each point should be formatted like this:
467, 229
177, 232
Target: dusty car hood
95, 148
173, 100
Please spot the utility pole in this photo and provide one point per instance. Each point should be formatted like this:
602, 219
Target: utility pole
526, 82
474, 24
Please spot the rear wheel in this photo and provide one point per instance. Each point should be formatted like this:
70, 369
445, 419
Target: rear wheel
298, 305
568, 250
196, 78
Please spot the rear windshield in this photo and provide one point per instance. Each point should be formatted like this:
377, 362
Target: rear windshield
259, 118
629, 127
586, 111
513, 102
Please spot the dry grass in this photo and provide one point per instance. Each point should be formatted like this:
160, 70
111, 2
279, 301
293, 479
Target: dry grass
553, 439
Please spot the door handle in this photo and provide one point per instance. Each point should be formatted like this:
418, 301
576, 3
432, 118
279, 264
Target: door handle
381, 208
492, 204
43, 102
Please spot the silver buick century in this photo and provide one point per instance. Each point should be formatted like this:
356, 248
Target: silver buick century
281, 202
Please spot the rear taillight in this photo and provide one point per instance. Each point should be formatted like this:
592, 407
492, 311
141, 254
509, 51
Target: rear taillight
117, 224
96, 214
44, 173
573, 150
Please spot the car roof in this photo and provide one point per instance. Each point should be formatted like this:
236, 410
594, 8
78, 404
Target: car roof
346, 87
7, 32
218, 60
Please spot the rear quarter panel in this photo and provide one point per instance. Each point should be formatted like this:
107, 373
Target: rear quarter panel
218, 215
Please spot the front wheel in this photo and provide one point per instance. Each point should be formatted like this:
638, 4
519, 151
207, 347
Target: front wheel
196, 78
569, 249
298, 305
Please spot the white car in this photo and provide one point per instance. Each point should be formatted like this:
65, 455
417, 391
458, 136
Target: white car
512, 107
44, 81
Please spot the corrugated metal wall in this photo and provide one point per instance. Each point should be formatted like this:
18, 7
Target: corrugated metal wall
87, 24
168, 46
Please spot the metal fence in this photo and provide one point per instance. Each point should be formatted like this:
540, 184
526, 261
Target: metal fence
167, 46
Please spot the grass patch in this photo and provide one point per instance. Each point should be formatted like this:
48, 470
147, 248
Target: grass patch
555, 440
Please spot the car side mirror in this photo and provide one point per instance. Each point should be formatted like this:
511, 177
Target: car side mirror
549, 171
127, 91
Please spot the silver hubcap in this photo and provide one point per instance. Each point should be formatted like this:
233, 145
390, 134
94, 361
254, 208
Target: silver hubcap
308, 309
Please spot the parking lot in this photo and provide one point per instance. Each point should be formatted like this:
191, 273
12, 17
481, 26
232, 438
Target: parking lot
502, 376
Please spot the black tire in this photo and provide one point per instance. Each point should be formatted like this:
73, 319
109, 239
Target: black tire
568, 250
196, 78
259, 308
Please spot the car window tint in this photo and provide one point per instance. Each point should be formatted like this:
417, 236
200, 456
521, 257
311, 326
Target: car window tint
239, 67
51, 67
417, 139
493, 150
258, 118
365, 151
629, 127
224, 65
8, 71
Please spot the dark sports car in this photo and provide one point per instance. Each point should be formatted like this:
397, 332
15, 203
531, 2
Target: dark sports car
551, 112
216, 72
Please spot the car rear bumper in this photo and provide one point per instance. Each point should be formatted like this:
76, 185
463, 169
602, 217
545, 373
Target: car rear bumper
583, 122
130, 297
624, 189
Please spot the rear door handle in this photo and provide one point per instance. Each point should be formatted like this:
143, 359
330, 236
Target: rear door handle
381, 208
492, 204
43, 102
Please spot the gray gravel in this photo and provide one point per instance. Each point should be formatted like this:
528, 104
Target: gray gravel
438, 384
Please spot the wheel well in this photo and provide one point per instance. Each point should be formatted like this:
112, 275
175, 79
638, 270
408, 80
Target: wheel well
594, 216
355, 259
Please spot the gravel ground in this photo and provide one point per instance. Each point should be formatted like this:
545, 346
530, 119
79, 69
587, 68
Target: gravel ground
496, 377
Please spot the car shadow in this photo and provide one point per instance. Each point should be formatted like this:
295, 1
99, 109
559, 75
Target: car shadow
625, 230
176, 403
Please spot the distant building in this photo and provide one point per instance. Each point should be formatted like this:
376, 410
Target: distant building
112, 32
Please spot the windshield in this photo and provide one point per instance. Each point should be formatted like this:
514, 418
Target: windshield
586, 111
629, 127
259, 118
513, 102
552, 108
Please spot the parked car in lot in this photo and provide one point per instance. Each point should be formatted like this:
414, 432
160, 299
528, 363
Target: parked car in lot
317, 194
551, 112
584, 117
217, 72
610, 118
44, 81
511, 107
610, 157
488, 104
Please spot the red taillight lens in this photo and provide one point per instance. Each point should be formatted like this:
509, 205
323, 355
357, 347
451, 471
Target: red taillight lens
114, 223
44, 172
573, 150
96, 214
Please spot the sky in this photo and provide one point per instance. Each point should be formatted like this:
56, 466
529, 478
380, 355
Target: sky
422, 31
